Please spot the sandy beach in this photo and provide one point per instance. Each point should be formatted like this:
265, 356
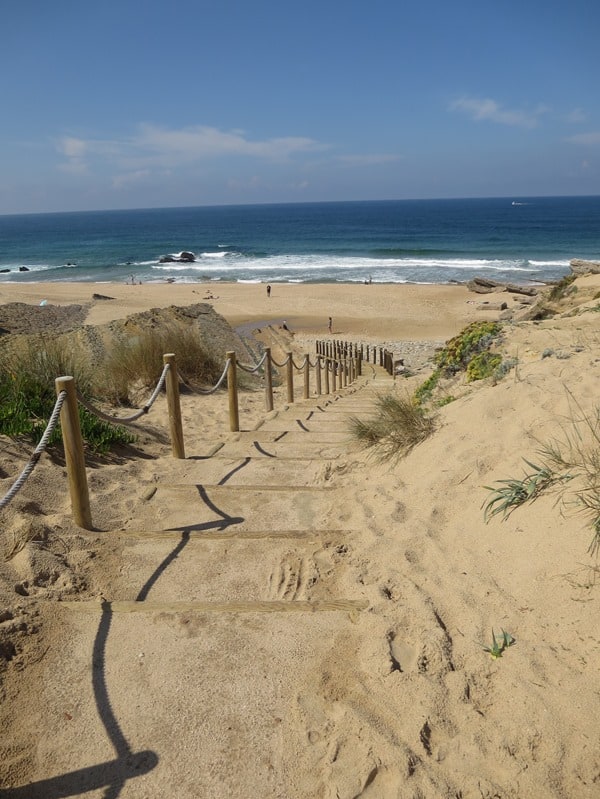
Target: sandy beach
376, 311
158, 655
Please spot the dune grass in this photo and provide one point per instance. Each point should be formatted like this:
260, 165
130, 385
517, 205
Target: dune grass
569, 462
136, 362
123, 371
28, 368
397, 426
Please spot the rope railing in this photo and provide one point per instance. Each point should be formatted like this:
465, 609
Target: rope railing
339, 365
207, 391
37, 453
106, 417
281, 365
255, 368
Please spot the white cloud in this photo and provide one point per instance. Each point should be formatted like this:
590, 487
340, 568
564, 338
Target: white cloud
592, 138
152, 147
368, 160
72, 147
130, 178
187, 145
487, 109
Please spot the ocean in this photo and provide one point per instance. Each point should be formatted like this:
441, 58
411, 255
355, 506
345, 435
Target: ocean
520, 240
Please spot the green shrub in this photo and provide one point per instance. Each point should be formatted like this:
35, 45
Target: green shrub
457, 353
425, 391
483, 365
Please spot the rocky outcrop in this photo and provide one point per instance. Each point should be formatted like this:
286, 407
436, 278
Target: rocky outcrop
184, 257
482, 285
581, 267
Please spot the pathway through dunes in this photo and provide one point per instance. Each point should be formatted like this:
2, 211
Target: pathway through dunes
234, 587
283, 618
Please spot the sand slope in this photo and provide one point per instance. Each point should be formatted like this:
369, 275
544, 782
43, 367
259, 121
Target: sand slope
377, 685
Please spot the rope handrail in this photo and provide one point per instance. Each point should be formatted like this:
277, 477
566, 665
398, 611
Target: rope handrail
253, 369
30, 466
281, 365
295, 365
135, 416
208, 391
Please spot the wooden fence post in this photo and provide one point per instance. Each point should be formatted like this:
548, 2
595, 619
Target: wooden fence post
326, 364
174, 406
234, 413
306, 376
318, 374
268, 380
334, 366
74, 455
290, 377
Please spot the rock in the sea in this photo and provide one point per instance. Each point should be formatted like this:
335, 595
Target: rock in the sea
581, 267
183, 257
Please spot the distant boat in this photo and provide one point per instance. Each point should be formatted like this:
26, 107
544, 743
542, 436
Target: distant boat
516, 203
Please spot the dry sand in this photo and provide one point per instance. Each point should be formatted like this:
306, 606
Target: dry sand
374, 312
389, 695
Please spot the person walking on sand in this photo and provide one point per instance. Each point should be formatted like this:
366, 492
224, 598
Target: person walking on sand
330, 325
268, 291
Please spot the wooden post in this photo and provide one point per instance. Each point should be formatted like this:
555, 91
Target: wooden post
359, 361
290, 377
268, 380
74, 455
327, 365
174, 406
234, 413
318, 374
334, 366
306, 376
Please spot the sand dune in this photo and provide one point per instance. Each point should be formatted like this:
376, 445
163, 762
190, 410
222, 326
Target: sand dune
378, 684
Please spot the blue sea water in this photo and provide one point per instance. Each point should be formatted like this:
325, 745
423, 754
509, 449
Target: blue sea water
518, 240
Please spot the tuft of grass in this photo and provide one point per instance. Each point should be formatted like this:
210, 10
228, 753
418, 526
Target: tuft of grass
498, 647
562, 287
397, 427
573, 458
137, 362
513, 492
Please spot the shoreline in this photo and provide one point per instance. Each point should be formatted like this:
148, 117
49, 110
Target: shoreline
372, 312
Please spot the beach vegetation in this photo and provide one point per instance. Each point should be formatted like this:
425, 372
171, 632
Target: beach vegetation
468, 352
562, 288
456, 355
28, 369
499, 645
570, 463
424, 392
397, 426
135, 363
483, 365
444, 401
513, 492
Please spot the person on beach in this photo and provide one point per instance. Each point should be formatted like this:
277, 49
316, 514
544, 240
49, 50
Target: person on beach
330, 325
268, 291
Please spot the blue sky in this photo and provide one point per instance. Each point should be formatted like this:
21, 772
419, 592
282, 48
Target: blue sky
147, 103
